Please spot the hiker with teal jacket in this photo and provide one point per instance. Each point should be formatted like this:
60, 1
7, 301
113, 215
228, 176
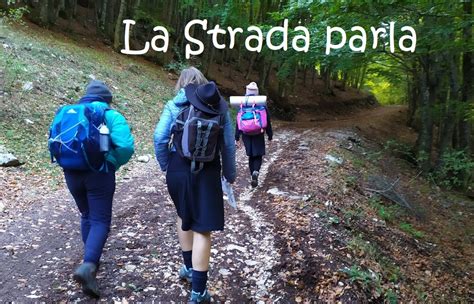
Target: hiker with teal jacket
196, 191
93, 190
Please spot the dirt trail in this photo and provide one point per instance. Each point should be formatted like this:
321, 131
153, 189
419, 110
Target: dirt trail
41, 247
275, 247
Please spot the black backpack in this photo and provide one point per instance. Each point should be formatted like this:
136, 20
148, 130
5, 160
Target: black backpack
196, 135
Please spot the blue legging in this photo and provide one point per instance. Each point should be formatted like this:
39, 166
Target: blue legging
93, 193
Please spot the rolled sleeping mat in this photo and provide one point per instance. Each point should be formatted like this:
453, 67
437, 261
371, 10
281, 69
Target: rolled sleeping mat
236, 101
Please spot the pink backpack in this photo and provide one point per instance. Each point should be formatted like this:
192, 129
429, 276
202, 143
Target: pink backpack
252, 120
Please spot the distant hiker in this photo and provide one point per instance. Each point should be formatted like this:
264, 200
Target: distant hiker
254, 143
91, 141
193, 134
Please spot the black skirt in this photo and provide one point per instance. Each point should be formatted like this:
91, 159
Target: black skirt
254, 144
197, 197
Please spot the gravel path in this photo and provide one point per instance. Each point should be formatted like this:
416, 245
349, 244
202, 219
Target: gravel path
41, 247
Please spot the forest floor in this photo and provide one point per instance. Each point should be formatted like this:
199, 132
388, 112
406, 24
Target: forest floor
314, 230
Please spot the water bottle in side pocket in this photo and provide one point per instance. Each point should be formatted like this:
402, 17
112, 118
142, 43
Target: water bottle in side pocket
104, 138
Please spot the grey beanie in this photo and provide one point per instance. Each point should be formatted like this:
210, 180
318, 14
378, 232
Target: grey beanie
100, 89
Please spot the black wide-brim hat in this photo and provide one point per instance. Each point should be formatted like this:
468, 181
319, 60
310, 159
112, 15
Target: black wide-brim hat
206, 98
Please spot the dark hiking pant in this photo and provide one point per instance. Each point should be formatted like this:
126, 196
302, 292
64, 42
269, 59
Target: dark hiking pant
255, 162
93, 193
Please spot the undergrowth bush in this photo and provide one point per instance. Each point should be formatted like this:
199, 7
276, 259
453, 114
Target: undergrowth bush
456, 170
371, 282
176, 66
14, 14
401, 150
408, 228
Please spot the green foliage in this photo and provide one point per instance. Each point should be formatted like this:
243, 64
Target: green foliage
334, 220
421, 294
352, 214
358, 163
149, 17
361, 247
13, 15
408, 228
386, 92
351, 181
386, 81
401, 150
14, 70
370, 281
176, 66
456, 170
365, 278
374, 156
387, 213
391, 296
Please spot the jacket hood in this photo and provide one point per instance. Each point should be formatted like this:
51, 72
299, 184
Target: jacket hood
180, 98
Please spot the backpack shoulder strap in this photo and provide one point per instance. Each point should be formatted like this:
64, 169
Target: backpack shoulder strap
179, 118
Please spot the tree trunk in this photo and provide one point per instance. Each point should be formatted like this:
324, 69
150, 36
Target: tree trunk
239, 57
467, 87
251, 11
103, 15
413, 98
305, 74
355, 78
119, 25
264, 73
362, 77
448, 125
172, 12
281, 89
266, 82
344, 80
69, 9
136, 5
110, 21
53, 11
425, 137
43, 12
251, 63
295, 79
326, 77
210, 59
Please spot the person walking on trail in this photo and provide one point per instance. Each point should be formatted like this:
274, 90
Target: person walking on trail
91, 187
254, 144
193, 134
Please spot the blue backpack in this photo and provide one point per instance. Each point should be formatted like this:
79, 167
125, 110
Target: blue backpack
74, 138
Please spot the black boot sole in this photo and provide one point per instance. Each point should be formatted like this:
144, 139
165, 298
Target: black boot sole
254, 181
85, 288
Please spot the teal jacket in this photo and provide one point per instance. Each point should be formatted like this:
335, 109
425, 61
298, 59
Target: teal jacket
121, 137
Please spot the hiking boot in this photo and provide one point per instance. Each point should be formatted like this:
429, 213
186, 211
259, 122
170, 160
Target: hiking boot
85, 275
197, 297
254, 181
185, 273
